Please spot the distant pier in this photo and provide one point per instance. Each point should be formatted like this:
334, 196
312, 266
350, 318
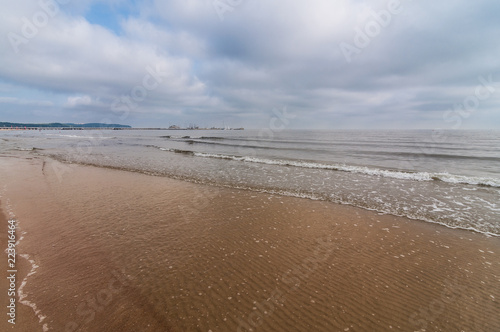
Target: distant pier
108, 128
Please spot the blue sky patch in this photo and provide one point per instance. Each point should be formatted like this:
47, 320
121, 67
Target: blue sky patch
108, 15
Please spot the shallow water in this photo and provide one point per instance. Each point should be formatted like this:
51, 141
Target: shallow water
449, 177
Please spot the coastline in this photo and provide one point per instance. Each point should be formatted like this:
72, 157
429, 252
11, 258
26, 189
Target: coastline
265, 262
25, 318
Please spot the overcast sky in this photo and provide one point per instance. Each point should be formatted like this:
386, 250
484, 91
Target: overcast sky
330, 63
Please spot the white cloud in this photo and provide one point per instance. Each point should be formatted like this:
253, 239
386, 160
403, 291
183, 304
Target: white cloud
264, 54
79, 101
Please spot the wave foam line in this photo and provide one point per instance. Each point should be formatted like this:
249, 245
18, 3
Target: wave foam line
313, 197
23, 296
415, 176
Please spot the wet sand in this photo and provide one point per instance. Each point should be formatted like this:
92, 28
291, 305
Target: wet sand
123, 251
25, 319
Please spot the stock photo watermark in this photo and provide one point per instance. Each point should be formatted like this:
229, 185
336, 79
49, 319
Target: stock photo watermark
452, 292
460, 111
96, 303
436, 307
292, 279
222, 7
471, 103
363, 36
121, 107
200, 200
30, 27
128, 102
278, 122
455, 116
11, 271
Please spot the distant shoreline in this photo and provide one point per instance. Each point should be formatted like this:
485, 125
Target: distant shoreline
93, 126
21, 125
110, 128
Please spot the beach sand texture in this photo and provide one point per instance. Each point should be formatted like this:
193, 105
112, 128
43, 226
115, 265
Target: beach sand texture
123, 251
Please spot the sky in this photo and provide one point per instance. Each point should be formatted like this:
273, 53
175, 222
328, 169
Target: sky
316, 64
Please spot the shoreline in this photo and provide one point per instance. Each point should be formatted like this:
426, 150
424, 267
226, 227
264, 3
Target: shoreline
464, 198
167, 255
271, 192
25, 317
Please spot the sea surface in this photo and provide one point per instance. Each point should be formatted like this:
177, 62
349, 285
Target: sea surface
446, 177
136, 250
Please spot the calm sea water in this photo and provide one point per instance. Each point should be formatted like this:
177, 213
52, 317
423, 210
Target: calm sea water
450, 177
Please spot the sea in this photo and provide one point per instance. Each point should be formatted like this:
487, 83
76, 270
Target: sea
447, 177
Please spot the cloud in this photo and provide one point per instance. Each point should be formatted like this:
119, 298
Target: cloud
79, 101
412, 67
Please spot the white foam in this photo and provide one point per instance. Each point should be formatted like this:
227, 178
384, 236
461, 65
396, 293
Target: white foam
452, 178
415, 176
385, 210
23, 296
20, 293
81, 136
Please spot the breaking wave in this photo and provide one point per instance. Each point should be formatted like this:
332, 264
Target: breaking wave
395, 174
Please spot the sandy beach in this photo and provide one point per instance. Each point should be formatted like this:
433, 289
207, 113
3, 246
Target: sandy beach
123, 251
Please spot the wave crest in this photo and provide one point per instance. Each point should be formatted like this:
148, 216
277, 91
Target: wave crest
395, 174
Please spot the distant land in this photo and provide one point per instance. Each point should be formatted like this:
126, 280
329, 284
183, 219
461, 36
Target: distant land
61, 125
89, 126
